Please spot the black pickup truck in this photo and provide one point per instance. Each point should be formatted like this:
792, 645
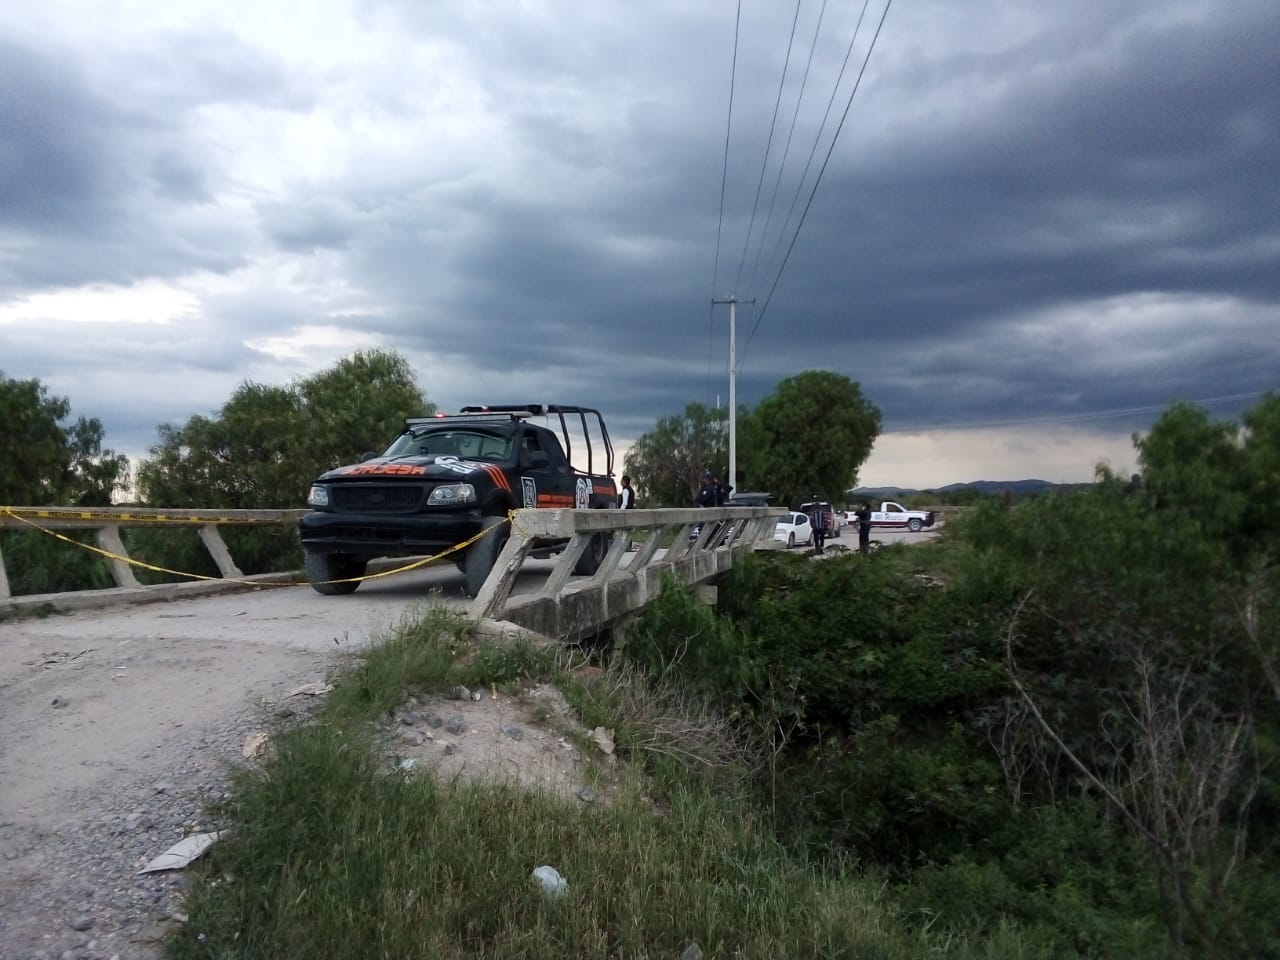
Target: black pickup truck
446, 479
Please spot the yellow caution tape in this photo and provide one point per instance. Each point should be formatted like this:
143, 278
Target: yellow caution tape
117, 516
420, 563
8, 511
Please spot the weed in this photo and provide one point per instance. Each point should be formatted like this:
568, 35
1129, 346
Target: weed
333, 859
418, 654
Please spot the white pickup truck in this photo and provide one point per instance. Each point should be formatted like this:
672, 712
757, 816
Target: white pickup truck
894, 516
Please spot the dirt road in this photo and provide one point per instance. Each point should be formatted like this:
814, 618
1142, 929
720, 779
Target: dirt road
116, 724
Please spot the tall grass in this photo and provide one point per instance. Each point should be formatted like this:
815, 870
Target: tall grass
335, 855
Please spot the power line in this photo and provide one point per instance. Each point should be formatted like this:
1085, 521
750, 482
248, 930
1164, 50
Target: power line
835, 138
724, 180
817, 139
724, 171
786, 151
768, 146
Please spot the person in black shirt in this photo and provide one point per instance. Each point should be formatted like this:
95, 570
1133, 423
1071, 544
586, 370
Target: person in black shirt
709, 495
627, 497
818, 521
863, 513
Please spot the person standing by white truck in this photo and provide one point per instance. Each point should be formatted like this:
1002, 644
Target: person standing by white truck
819, 518
863, 517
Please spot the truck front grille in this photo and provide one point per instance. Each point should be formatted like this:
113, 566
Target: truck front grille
378, 497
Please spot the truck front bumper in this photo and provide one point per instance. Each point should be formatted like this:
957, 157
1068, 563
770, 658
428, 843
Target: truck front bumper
377, 535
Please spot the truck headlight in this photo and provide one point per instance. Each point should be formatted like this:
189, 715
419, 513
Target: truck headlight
452, 493
318, 496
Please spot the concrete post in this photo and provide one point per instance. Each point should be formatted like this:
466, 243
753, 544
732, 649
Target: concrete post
109, 540
217, 548
4, 581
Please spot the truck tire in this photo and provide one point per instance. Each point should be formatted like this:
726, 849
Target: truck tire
324, 568
593, 556
482, 554
915, 525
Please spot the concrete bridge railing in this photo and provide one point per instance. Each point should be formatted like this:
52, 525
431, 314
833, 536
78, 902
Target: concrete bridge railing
564, 606
108, 521
694, 545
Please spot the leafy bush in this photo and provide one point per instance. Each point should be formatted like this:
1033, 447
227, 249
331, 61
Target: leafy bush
36, 562
678, 635
1112, 648
869, 685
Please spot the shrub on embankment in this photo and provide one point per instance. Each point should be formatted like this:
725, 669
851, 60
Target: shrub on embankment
336, 854
1064, 714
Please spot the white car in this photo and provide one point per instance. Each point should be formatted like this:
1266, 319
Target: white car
792, 529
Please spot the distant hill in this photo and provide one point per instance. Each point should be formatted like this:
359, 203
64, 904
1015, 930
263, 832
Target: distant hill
984, 487
878, 493
1002, 486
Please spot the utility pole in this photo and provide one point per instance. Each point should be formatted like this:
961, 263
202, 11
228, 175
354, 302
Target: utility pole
733, 302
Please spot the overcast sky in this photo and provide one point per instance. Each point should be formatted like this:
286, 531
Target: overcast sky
1040, 223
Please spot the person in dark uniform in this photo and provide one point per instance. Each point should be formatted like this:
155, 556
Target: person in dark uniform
863, 513
709, 494
627, 497
818, 520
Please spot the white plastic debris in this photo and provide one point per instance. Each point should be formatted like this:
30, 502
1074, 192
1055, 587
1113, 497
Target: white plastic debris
254, 745
553, 885
184, 852
603, 739
310, 689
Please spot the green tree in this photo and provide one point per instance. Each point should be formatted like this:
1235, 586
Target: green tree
267, 444
46, 462
810, 435
263, 449
666, 464
1223, 476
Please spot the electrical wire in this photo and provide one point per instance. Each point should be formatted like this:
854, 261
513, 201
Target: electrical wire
724, 171
768, 147
724, 180
835, 138
786, 151
817, 139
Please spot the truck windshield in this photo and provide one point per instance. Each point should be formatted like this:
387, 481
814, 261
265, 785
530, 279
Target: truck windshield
464, 444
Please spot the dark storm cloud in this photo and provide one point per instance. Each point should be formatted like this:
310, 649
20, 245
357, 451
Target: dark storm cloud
308, 224
1149, 167
52, 135
1108, 160
1033, 211
100, 173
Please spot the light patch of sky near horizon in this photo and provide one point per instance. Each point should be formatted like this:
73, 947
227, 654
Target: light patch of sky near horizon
153, 301
937, 458
928, 460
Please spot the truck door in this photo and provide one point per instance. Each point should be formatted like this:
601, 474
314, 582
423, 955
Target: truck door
545, 478
891, 515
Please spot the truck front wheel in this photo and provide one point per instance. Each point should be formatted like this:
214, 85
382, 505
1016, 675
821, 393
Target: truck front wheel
593, 555
323, 569
914, 525
482, 554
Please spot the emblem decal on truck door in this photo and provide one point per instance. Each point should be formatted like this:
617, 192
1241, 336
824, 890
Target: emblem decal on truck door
530, 491
583, 498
